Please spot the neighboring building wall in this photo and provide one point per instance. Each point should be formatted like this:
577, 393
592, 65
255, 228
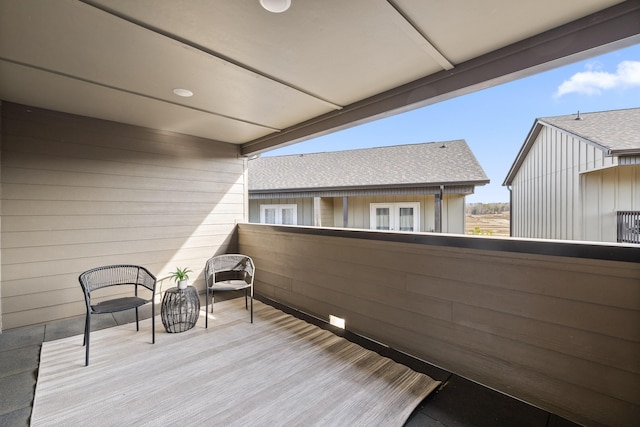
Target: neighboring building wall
452, 211
80, 193
305, 208
604, 193
326, 212
546, 190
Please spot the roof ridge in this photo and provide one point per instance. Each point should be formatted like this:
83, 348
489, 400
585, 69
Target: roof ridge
366, 149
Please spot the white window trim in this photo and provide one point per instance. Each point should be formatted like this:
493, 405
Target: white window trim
394, 209
279, 209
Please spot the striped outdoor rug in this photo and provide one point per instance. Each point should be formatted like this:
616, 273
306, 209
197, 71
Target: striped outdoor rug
279, 371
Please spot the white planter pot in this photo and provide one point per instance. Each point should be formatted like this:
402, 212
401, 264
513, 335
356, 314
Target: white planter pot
182, 284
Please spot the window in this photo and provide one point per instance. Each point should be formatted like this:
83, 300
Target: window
395, 216
279, 214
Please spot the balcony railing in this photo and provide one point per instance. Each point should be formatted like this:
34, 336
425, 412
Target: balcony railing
553, 323
628, 226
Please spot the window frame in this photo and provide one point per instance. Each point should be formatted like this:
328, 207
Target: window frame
394, 214
279, 209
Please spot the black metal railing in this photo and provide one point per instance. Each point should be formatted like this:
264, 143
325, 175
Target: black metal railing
628, 226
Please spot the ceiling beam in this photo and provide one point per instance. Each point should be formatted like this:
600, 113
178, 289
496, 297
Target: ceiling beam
601, 32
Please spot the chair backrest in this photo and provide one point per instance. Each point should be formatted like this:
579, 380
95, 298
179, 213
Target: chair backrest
229, 266
114, 275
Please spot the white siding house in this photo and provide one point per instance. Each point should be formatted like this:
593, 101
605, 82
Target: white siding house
415, 187
575, 175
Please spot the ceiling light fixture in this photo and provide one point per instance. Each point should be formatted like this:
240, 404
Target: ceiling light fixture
276, 6
183, 92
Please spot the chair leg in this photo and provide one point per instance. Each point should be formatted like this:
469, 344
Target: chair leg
87, 335
153, 322
206, 307
137, 322
84, 334
246, 307
252, 308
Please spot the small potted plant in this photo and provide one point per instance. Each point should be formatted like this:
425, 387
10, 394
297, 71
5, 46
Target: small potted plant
181, 276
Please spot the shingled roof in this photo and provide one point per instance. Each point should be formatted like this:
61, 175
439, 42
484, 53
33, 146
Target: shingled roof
427, 164
616, 132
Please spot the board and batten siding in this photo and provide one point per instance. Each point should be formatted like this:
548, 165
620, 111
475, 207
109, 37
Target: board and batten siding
535, 320
79, 193
605, 192
331, 210
326, 212
548, 196
304, 206
360, 213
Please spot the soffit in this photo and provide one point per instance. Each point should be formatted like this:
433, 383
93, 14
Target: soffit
262, 79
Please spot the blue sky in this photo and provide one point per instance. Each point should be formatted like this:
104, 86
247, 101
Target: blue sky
495, 121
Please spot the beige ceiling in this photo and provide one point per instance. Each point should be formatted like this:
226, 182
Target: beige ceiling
262, 79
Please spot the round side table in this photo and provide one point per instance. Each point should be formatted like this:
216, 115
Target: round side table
180, 309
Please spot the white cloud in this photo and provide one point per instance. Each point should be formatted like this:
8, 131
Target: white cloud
594, 81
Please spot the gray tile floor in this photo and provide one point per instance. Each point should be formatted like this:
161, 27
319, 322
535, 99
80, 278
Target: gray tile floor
458, 402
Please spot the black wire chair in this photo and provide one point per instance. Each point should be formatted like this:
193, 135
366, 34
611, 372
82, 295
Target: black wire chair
229, 272
116, 275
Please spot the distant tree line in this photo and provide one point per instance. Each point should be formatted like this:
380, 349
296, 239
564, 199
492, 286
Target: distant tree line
486, 208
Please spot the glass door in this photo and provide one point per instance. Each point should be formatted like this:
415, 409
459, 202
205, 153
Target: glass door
406, 218
395, 216
381, 218
279, 214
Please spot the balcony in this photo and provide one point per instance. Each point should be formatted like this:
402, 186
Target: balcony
628, 223
533, 332
551, 323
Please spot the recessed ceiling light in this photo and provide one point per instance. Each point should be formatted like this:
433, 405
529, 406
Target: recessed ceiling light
183, 92
276, 6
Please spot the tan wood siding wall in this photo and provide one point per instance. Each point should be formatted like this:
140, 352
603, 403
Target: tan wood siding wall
558, 332
452, 211
546, 190
80, 193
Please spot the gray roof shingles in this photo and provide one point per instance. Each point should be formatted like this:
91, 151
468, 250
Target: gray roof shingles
450, 162
616, 130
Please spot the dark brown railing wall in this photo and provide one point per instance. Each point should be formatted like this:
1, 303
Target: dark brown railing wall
554, 324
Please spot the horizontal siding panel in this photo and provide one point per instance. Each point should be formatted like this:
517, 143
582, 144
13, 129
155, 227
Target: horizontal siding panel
43, 315
97, 207
40, 154
266, 277
47, 193
54, 126
558, 332
26, 239
564, 399
372, 299
19, 223
584, 344
574, 279
620, 384
568, 400
74, 251
42, 299
27, 180
80, 193
81, 190
540, 307
156, 263
33, 266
